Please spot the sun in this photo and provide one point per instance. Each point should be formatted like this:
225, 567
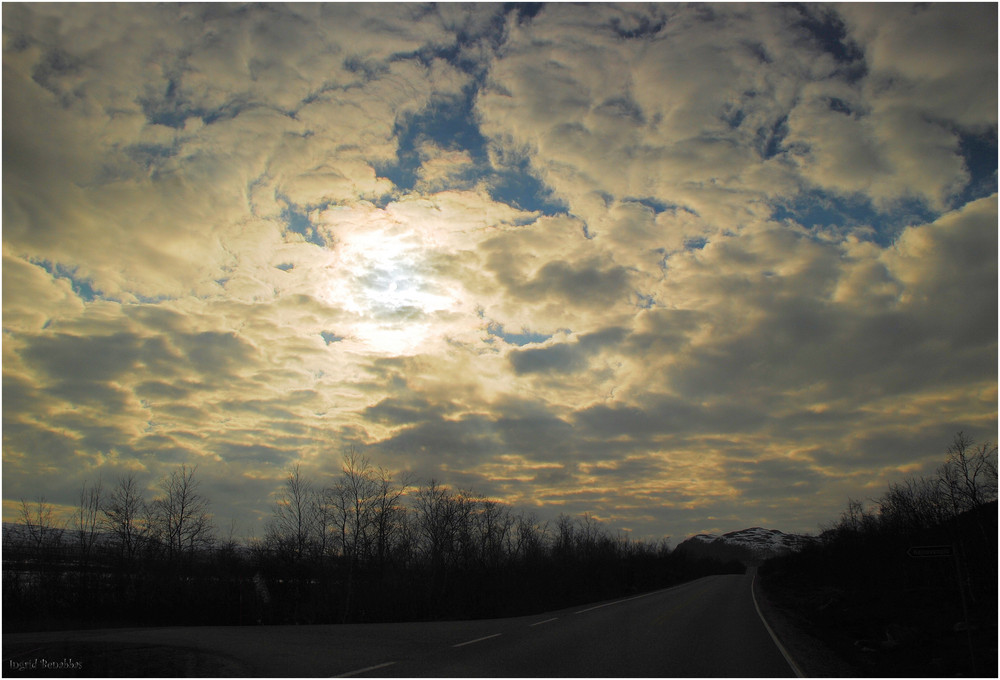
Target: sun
381, 278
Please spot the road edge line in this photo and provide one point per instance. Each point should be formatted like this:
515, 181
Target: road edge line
781, 648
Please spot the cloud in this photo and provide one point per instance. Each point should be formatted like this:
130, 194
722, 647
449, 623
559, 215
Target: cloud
564, 357
681, 267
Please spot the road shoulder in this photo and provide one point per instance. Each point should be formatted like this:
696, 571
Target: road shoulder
814, 659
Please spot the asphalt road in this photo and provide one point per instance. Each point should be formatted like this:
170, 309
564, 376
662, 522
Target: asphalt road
705, 628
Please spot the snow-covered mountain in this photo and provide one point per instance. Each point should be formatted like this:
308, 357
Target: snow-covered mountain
746, 545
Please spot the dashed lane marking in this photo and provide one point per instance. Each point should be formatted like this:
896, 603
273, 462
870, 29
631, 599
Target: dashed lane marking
636, 597
608, 604
538, 623
365, 670
469, 642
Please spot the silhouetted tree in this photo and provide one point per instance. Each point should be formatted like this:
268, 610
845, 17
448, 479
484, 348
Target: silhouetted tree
355, 501
860, 583
87, 519
292, 522
39, 524
969, 474
389, 515
126, 516
180, 515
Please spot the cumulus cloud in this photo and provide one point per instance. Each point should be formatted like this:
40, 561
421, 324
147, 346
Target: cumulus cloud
681, 267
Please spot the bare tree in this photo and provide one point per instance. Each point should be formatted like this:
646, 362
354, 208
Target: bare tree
356, 493
126, 516
292, 524
969, 474
494, 526
88, 518
324, 522
530, 538
388, 514
39, 524
181, 514
565, 540
367, 509
912, 505
436, 521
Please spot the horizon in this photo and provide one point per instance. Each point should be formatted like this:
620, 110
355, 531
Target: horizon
685, 269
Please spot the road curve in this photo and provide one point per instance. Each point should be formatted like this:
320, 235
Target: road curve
704, 628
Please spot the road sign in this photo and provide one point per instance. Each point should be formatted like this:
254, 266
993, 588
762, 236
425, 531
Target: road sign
931, 551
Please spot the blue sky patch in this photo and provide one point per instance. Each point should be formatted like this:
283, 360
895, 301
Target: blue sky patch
517, 186
151, 300
644, 301
653, 204
840, 106
83, 288
769, 140
820, 210
526, 11
330, 338
979, 152
645, 27
829, 33
525, 337
299, 223
450, 123
150, 155
173, 109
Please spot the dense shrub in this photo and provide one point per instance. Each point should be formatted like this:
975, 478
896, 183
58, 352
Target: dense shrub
893, 614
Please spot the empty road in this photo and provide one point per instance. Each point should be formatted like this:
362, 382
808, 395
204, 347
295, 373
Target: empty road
705, 628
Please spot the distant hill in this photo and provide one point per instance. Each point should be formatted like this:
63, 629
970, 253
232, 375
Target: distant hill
750, 546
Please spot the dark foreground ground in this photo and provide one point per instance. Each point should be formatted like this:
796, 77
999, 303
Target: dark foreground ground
834, 634
704, 628
685, 631
81, 658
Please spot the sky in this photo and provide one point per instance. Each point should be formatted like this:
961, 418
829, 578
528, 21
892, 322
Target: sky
684, 268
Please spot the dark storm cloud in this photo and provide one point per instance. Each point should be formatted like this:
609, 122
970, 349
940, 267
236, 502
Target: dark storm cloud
64, 357
395, 411
662, 414
159, 390
545, 436
257, 454
565, 357
436, 441
212, 351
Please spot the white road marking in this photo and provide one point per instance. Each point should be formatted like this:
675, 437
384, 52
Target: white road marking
462, 644
627, 599
538, 623
781, 648
364, 670
636, 597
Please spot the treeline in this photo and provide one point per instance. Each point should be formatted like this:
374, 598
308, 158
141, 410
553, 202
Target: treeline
364, 548
889, 608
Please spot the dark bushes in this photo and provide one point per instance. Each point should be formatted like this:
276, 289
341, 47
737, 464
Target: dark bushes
892, 614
